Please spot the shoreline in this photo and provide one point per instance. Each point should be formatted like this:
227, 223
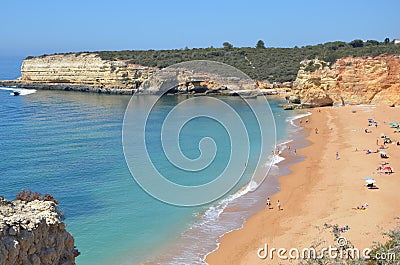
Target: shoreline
89, 88
288, 159
297, 140
311, 198
232, 212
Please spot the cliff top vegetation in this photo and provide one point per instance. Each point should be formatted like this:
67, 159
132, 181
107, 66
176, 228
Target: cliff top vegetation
272, 64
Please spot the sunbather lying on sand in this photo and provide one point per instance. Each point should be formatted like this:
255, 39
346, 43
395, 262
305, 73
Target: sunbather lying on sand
368, 151
342, 229
362, 207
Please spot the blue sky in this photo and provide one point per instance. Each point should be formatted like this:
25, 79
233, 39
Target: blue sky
38, 27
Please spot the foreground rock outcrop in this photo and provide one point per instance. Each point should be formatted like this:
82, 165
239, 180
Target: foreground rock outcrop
366, 80
31, 233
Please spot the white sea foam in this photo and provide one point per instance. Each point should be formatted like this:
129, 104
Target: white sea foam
284, 144
293, 118
213, 212
277, 159
22, 91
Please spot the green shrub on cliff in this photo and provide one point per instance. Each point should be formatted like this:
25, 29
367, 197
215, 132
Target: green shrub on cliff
273, 64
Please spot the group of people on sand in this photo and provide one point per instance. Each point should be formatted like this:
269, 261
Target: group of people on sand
277, 151
383, 166
278, 204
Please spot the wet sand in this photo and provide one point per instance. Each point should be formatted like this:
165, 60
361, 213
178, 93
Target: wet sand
323, 190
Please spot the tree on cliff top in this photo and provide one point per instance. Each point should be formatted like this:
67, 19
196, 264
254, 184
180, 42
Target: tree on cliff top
227, 45
356, 43
260, 44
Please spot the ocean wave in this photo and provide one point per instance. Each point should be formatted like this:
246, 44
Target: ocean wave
277, 160
296, 117
213, 212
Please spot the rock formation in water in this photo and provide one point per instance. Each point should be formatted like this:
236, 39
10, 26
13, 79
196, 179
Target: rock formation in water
31, 233
88, 72
85, 68
360, 80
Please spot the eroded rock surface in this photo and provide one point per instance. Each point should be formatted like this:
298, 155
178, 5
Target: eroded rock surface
31, 233
360, 80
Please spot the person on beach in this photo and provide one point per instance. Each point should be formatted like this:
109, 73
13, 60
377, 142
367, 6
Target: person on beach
337, 155
279, 205
268, 203
316, 130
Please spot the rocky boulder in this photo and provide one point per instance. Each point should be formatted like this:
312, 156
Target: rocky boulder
31, 233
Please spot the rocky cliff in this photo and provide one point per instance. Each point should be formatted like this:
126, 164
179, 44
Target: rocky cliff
366, 80
85, 69
31, 233
89, 72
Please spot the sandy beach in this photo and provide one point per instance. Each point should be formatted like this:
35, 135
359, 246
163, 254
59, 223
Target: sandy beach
324, 189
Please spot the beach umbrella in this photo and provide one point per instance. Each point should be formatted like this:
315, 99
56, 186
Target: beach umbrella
383, 153
370, 120
370, 180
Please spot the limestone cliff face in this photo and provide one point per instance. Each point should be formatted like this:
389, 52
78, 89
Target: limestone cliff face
84, 69
364, 80
31, 233
88, 72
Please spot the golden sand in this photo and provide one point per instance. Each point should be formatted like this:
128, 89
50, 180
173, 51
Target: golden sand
323, 190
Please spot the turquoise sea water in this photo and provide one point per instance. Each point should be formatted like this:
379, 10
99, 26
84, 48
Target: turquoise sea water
69, 144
